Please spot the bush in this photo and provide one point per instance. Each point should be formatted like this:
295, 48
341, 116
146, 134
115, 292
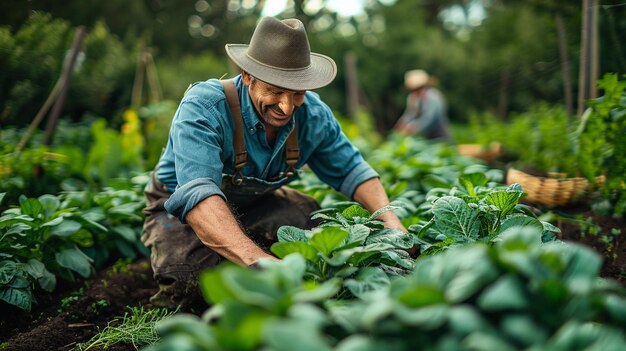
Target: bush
32, 60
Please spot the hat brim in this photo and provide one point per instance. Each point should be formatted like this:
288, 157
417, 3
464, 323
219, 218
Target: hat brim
319, 73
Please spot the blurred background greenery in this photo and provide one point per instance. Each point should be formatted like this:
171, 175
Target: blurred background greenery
487, 55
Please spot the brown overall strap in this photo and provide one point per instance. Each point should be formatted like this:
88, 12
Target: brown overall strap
241, 155
292, 150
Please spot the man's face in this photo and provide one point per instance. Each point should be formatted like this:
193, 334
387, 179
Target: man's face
273, 104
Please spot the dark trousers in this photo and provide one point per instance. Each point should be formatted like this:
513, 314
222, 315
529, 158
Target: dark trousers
178, 256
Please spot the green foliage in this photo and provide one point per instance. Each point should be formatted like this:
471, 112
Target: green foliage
38, 170
198, 67
349, 240
118, 208
515, 294
420, 165
65, 235
542, 139
32, 60
602, 148
473, 213
33, 56
115, 154
47, 238
156, 119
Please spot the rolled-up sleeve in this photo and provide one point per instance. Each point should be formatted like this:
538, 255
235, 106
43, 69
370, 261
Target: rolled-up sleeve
196, 139
356, 177
186, 197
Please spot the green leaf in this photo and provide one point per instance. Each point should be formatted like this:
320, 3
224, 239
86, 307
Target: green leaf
285, 248
9, 220
427, 317
465, 320
7, 271
455, 219
423, 295
288, 335
252, 288
395, 237
2, 197
53, 222
357, 254
289, 233
486, 342
521, 221
524, 329
358, 233
472, 180
355, 211
381, 211
35, 268
21, 298
315, 292
75, 260
505, 201
65, 228
89, 222
399, 257
507, 293
368, 279
50, 204
126, 232
31, 207
197, 331
328, 239
213, 287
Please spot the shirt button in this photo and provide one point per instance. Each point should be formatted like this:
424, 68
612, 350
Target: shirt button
251, 130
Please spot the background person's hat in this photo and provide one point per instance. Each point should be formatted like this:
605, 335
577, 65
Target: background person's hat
279, 54
415, 79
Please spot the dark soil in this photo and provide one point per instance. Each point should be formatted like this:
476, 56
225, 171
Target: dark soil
53, 325
607, 237
89, 305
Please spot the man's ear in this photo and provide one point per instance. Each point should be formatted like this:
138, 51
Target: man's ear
246, 78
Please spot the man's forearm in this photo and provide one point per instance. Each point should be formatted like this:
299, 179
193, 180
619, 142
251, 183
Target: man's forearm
371, 195
218, 229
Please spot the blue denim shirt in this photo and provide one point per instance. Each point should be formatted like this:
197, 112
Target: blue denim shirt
200, 147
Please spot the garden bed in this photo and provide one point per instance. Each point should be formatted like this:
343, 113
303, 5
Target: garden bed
76, 311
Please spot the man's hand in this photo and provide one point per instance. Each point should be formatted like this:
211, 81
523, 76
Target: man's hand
371, 195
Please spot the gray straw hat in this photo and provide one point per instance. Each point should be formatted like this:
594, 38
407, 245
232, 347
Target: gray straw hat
279, 54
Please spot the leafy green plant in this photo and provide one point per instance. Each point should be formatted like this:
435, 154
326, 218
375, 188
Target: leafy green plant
349, 240
602, 148
516, 294
41, 238
474, 212
65, 235
247, 303
119, 209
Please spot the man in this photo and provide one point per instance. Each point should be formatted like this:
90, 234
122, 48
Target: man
217, 192
425, 112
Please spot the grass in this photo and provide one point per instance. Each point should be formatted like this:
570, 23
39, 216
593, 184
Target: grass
136, 328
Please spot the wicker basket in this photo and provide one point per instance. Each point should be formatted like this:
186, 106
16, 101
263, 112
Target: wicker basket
554, 190
485, 152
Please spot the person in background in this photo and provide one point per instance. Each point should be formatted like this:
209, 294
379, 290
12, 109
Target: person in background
218, 191
425, 112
